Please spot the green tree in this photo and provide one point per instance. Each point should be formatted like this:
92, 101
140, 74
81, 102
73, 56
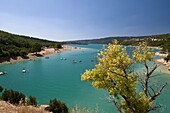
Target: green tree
32, 101
58, 46
14, 97
23, 53
115, 73
57, 106
36, 47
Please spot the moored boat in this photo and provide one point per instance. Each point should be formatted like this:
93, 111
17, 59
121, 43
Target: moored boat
24, 70
3, 73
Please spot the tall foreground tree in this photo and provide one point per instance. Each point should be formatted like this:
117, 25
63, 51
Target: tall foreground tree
115, 73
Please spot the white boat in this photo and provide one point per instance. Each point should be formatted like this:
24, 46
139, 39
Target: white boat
24, 70
74, 61
2, 73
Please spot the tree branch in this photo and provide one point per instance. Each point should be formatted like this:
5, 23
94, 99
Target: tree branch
146, 79
117, 74
111, 98
152, 98
148, 75
154, 75
153, 69
152, 90
141, 82
128, 103
154, 108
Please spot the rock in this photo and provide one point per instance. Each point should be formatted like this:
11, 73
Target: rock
169, 68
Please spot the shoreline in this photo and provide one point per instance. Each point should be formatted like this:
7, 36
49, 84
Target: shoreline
162, 61
32, 56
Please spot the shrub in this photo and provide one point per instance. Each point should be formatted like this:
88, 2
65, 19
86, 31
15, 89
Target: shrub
23, 53
14, 97
167, 58
1, 88
32, 101
59, 46
57, 106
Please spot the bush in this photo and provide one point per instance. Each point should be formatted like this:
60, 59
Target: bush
1, 88
32, 101
14, 97
57, 106
23, 53
59, 46
167, 58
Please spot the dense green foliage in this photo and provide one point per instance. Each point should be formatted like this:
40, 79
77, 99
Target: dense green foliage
14, 97
16, 45
57, 106
32, 101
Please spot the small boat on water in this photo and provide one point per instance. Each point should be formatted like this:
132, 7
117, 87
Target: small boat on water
74, 61
63, 58
46, 57
24, 70
3, 73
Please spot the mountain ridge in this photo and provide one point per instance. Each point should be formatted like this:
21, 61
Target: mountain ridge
107, 40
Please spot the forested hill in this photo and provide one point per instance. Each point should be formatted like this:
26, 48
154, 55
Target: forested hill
16, 45
127, 40
101, 40
162, 40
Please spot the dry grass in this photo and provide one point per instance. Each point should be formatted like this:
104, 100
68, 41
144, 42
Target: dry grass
79, 109
9, 108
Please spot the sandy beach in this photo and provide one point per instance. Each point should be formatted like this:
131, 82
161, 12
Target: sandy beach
32, 56
162, 61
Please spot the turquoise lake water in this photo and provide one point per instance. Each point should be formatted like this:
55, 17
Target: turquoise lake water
55, 78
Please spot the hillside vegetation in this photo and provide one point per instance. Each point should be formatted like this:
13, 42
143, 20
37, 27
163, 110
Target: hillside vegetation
161, 40
12, 45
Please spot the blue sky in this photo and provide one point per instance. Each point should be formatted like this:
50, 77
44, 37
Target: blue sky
84, 19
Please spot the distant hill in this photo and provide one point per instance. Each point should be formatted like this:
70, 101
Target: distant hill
101, 40
127, 40
12, 45
162, 40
